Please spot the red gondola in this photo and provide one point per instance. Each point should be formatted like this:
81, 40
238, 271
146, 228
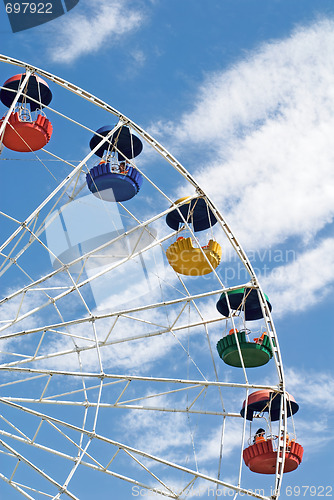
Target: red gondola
25, 136
268, 401
25, 132
261, 457
36, 93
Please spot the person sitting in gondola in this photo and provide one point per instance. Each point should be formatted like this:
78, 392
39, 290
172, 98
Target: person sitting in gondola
182, 238
231, 332
123, 168
288, 442
259, 436
259, 340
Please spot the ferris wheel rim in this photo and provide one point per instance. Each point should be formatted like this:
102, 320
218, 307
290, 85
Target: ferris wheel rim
254, 283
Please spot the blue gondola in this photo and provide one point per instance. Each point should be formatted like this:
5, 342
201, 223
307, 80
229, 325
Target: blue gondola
127, 144
113, 179
108, 185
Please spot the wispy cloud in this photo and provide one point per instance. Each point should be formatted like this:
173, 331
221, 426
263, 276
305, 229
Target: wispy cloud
315, 389
183, 439
314, 392
312, 272
265, 126
92, 24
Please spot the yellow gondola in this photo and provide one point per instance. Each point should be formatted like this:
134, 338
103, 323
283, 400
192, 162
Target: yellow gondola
191, 261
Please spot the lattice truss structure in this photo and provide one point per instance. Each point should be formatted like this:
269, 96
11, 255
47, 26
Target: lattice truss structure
110, 376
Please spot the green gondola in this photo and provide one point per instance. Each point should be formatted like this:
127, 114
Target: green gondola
253, 353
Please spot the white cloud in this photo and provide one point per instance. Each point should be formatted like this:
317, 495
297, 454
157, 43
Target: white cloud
147, 426
139, 356
314, 389
184, 440
265, 129
210, 446
304, 282
314, 434
139, 57
261, 134
92, 24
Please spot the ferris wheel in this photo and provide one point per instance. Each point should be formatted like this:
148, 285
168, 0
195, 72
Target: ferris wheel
131, 362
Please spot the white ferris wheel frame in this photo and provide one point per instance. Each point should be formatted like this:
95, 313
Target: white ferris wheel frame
103, 378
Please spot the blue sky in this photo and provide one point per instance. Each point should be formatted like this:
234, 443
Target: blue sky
241, 92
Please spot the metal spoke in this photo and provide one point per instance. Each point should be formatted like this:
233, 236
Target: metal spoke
105, 385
